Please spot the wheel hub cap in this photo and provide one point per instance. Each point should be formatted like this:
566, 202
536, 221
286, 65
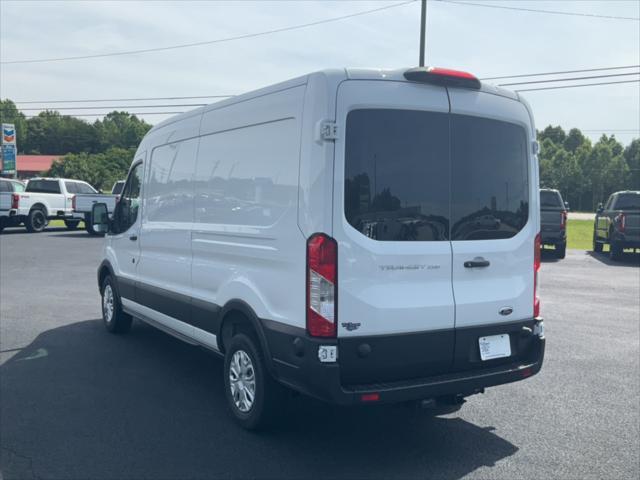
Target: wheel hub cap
242, 381
107, 303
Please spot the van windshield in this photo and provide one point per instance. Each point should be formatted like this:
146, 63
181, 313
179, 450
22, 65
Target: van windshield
427, 176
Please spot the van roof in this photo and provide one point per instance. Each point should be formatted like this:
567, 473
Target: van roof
335, 75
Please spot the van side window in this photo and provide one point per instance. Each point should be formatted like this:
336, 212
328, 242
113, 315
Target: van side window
127, 208
489, 180
170, 190
248, 176
397, 174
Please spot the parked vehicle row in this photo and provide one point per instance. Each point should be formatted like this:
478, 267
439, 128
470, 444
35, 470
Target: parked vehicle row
44, 199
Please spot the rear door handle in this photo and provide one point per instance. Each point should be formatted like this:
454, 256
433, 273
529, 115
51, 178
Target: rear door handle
133, 238
477, 263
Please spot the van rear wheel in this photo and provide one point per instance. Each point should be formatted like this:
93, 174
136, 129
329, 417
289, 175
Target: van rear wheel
252, 394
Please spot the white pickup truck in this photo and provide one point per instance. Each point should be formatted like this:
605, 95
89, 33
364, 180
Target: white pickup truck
45, 199
83, 204
9, 194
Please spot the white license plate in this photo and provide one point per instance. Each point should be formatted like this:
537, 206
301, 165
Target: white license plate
495, 346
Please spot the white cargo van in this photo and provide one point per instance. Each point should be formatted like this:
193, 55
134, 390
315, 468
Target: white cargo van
360, 236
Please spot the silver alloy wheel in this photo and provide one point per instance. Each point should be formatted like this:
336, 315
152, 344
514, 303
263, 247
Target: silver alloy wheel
242, 381
107, 304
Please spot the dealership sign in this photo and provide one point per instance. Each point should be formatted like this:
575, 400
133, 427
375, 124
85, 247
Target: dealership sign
8, 148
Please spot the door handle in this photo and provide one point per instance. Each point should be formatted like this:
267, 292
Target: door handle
133, 238
477, 262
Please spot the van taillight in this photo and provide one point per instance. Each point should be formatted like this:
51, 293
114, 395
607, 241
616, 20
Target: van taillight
15, 200
322, 282
73, 202
620, 221
536, 267
563, 220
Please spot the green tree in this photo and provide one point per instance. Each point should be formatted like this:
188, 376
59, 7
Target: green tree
101, 170
53, 134
120, 129
574, 140
632, 157
555, 134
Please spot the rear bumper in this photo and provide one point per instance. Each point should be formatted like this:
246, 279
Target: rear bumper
296, 364
552, 237
627, 241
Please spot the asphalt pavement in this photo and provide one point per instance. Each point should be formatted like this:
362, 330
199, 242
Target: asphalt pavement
79, 403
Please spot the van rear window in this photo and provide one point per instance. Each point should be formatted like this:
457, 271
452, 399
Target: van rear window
397, 174
425, 176
489, 181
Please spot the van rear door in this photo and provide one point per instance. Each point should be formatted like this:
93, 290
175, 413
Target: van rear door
494, 215
391, 209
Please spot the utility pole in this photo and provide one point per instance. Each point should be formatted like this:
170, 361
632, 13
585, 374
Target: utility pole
423, 27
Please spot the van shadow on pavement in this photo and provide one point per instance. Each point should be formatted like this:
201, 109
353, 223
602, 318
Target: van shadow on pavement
81, 403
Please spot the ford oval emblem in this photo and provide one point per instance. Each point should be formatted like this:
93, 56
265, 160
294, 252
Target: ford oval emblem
504, 311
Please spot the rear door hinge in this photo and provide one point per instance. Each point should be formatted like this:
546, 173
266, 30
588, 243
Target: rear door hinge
535, 147
328, 130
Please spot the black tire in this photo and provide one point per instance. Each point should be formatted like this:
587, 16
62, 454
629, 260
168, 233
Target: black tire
36, 221
561, 250
115, 320
597, 246
71, 224
268, 394
615, 251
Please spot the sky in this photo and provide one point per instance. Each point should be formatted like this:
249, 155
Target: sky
485, 41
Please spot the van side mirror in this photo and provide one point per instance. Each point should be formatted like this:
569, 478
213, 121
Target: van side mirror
100, 218
566, 206
600, 208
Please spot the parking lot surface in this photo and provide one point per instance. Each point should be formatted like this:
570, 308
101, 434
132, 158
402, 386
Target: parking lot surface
79, 403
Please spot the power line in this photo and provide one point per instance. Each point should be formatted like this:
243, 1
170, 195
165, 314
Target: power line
557, 73
552, 12
570, 79
574, 86
105, 114
24, 102
211, 42
124, 99
119, 106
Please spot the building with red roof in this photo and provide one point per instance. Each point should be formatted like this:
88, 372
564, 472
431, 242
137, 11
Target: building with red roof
33, 165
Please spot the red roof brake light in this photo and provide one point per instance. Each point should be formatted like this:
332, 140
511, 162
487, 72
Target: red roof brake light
445, 77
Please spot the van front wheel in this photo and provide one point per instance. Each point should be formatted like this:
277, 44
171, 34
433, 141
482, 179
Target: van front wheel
114, 318
253, 396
